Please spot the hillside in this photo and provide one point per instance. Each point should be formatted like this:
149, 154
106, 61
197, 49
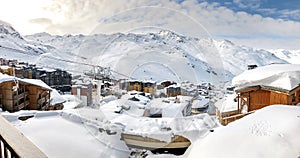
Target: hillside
157, 56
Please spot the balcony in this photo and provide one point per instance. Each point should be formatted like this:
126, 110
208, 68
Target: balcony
22, 105
13, 144
42, 100
20, 96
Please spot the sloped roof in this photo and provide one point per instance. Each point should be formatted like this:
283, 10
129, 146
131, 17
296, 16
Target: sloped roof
39, 83
280, 76
36, 82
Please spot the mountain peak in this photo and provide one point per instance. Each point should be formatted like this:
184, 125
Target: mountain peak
171, 35
7, 29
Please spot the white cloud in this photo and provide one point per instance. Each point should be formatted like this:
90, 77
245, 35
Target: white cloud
252, 4
188, 17
290, 13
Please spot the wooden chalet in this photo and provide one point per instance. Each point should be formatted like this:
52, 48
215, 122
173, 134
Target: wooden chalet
6, 70
257, 97
55, 78
278, 87
173, 91
17, 94
149, 87
165, 84
134, 85
140, 86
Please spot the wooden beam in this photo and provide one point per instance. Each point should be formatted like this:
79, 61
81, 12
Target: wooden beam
21, 145
238, 102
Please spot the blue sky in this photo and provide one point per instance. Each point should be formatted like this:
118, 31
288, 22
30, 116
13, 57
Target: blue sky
256, 23
278, 9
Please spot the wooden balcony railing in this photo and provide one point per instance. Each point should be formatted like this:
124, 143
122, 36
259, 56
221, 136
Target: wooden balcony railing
22, 105
13, 144
20, 96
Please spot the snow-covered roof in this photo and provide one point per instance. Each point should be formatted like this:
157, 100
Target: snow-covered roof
40, 83
191, 127
283, 76
5, 78
200, 103
36, 82
142, 81
4, 67
227, 103
168, 107
174, 86
56, 98
46, 69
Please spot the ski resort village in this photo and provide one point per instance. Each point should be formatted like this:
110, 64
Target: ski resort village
147, 92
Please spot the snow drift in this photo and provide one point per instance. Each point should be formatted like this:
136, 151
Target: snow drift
270, 132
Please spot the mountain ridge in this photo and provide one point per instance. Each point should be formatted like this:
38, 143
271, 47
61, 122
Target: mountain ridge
168, 49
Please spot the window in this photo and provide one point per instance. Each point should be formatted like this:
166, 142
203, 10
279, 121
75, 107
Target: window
293, 97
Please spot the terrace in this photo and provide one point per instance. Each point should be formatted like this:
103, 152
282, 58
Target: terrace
13, 144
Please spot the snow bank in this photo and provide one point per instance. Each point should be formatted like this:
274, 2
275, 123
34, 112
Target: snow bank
56, 98
71, 101
285, 76
227, 103
72, 133
192, 127
200, 102
270, 132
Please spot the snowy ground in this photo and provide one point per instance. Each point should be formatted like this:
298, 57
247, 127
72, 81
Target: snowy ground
270, 132
86, 132
66, 134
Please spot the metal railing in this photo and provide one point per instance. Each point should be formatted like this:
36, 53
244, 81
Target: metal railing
13, 144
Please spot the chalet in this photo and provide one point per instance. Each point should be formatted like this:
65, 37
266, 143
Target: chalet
140, 86
149, 87
173, 91
58, 79
261, 87
55, 78
17, 94
6, 70
165, 84
134, 85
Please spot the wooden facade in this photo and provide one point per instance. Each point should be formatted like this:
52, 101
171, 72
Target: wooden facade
257, 97
135, 86
39, 97
253, 98
7, 70
173, 91
55, 78
149, 87
140, 86
21, 95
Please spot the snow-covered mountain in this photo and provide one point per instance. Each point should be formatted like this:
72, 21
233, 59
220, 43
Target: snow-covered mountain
291, 56
158, 55
236, 58
13, 45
